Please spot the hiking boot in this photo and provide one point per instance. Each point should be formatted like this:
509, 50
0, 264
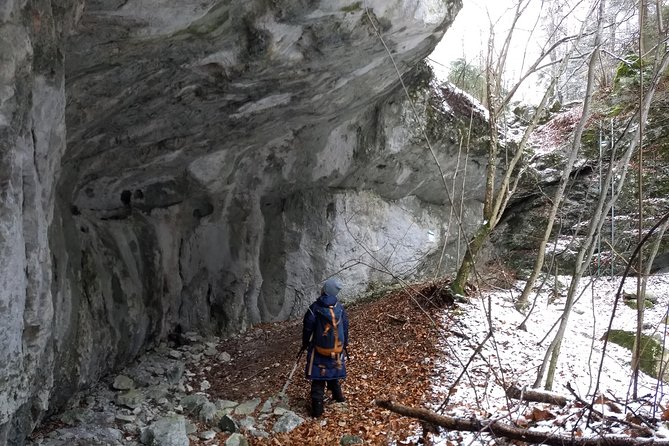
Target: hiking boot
338, 395
316, 408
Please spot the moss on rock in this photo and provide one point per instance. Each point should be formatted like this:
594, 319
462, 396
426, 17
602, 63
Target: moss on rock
651, 349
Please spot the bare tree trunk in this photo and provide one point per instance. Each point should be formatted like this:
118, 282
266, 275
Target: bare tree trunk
477, 241
640, 301
497, 197
557, 341
641, 298
473, 249
522, 302
662, 223
603, 207
536, 396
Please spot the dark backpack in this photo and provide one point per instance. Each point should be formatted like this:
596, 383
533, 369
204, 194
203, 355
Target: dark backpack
329, 331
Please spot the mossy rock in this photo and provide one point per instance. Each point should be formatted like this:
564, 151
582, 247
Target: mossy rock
590, 140
374, 292
651, 349
357, 6
632, 303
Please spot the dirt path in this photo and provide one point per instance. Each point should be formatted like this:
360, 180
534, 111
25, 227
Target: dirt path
392, 352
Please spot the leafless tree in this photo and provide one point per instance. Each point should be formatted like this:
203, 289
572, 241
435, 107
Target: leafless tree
499, 191
522, 301
618, 168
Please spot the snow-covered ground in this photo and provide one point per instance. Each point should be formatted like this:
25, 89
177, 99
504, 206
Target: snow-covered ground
512, 355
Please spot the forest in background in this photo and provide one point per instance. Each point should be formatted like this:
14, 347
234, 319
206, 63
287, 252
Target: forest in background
600, 113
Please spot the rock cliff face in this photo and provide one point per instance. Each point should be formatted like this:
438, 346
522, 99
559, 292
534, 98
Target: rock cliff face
207, 164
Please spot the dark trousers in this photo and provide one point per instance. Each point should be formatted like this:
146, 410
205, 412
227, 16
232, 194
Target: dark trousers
318, 389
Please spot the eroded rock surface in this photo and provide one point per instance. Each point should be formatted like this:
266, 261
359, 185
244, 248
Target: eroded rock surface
206, 165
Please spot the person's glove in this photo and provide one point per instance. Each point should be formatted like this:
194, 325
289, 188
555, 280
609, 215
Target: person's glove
302, 349
348, 358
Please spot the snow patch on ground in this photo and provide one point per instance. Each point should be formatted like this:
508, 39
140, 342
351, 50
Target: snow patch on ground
512, 355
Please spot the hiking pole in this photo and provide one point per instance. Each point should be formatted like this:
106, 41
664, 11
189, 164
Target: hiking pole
290, 376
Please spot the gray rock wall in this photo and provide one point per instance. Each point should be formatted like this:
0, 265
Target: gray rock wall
32, 143
208, 165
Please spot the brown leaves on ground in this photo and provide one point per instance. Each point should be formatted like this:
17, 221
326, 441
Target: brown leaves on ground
393, 342
538, 414
552, 134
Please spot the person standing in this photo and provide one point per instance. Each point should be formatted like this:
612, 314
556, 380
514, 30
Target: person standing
325, 338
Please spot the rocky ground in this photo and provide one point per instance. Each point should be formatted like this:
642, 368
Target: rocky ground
196, 391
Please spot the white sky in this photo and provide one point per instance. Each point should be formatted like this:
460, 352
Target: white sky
468, 38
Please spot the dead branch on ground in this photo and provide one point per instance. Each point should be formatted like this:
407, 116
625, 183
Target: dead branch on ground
537, 396
511, 432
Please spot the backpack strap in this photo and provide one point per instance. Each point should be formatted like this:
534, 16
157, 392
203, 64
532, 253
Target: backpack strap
334, 326
332, 352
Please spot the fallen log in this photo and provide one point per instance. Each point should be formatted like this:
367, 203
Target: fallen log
500, 429
536, 396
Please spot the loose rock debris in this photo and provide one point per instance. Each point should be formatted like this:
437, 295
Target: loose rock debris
196, 391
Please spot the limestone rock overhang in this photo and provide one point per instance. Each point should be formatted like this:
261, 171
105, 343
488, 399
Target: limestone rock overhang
169, 97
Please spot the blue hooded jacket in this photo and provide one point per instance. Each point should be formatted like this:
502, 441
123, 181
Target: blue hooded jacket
323, 367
